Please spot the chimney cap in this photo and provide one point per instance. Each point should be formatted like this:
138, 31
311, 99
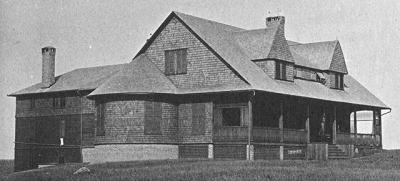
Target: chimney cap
47, 48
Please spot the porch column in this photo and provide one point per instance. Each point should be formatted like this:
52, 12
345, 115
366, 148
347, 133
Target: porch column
355, 125
281, 122
355, 121
334, 126
308, 123
380, 127
373, 122
250, 129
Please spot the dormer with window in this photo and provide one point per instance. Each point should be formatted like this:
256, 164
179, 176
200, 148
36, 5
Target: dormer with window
337, 81
284, 70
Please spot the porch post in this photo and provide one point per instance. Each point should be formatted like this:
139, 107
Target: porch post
281, 122
380, 128
250, 128
355, 125
334, 126
373, 122
355, 121
308, 124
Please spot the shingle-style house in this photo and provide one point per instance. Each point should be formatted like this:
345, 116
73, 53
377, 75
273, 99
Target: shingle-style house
199, 89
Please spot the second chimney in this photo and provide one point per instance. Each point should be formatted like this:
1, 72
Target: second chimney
48, 66
275, 21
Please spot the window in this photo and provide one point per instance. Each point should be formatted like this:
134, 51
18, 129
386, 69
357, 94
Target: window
32, 103
338, 81
175, 62
280, 70
198, 118
152, 118
100, 128
232, 115
62, 129
59, 102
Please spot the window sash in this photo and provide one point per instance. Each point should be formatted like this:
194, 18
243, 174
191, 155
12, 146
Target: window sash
152, 118
100, 131
62, 129
243, 111
198, 118
175, 61
280, 70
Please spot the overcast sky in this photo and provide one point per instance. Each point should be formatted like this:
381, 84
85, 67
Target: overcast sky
94, 33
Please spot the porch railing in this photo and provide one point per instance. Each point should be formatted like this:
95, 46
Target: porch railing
260, 135
294, 136
230, 134
358, 139
266, 135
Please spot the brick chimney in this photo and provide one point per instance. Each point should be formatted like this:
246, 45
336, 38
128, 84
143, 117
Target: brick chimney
48, 66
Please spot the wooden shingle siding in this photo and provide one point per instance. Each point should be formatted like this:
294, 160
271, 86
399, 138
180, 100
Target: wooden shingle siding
193, 151
230, 152
127, 121
338, 63
44, 107
305, 73
204, 69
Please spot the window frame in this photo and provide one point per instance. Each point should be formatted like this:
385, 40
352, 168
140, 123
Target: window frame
59, 102
244, 122
179, 61
152, 116
198, 118
100, 119
62, 128
281, 70
338, 81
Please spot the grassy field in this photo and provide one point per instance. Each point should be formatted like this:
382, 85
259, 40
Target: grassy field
382, 166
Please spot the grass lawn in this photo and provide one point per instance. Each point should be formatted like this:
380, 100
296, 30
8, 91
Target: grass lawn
382, 166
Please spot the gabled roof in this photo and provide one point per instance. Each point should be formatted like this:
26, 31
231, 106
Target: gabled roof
318, 55
236, 47
79, 79
139, 76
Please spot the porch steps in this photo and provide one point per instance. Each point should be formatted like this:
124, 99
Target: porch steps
336, 153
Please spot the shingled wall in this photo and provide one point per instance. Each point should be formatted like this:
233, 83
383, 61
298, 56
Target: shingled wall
124, 123
203, 69
37, 130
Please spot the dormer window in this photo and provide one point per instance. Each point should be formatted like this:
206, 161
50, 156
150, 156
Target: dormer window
175, 62
338, 81
280, 70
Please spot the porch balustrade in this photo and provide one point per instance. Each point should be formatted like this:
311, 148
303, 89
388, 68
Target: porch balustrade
231, 134
260, 135
358, 139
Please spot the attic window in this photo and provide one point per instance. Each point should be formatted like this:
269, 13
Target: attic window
59, 102
175, 62
280, 70
338, 81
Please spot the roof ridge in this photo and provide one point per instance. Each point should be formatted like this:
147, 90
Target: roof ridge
331, 41
204, 19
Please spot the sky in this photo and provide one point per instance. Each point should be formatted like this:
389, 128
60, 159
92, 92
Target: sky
90, 33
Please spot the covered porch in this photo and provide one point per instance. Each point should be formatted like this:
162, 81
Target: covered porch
273, 119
